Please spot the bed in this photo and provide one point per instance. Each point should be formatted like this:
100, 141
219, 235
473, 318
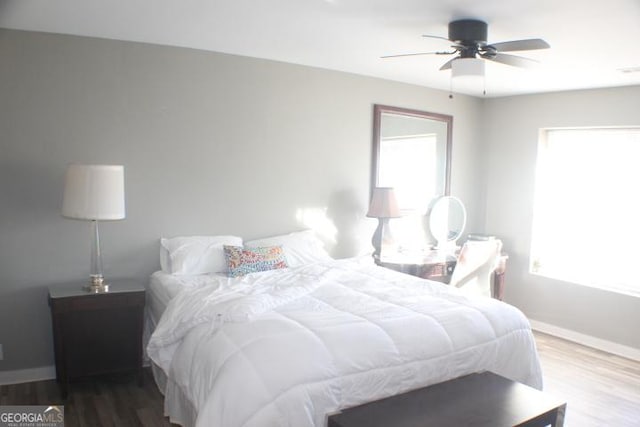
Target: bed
287, 347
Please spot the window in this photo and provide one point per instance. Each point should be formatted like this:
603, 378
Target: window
587, 207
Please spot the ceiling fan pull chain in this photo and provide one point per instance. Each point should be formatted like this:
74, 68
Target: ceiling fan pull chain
450, 86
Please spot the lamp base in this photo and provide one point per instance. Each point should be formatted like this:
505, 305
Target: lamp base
377, 239
97, 285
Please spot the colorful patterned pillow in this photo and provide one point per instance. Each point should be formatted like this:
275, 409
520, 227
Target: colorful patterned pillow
241, 261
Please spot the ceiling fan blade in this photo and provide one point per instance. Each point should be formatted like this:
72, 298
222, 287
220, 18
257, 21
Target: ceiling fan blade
418, 53
516, 45
447, 65
513, 60
435, 37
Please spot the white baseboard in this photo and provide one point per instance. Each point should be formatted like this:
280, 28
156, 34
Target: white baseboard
587, 340
27, 375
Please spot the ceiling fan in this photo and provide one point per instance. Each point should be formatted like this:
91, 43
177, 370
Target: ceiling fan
469, 38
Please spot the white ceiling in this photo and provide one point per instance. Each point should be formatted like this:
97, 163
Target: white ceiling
590, 40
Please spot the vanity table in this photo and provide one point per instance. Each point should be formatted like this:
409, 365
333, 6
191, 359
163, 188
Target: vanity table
437, 265
447, 218
433, 265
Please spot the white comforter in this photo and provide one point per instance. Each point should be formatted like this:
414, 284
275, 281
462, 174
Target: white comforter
286, 347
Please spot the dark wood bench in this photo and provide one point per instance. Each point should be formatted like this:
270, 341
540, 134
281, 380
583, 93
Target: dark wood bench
477, 400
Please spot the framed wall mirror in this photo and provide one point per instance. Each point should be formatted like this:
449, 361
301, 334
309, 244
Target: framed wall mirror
412, 153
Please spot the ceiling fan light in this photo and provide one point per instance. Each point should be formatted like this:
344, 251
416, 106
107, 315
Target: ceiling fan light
467, 67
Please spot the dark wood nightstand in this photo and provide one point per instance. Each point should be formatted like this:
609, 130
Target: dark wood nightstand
96, 334
432, 265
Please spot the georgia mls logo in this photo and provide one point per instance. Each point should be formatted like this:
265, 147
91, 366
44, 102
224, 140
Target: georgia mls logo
32, 416
55, 409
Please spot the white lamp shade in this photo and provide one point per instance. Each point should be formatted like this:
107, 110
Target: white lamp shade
383, 203
94, 192
467, 67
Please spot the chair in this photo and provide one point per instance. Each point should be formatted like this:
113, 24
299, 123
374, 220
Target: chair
476, 263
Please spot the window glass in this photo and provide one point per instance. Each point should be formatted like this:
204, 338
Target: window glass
587, 207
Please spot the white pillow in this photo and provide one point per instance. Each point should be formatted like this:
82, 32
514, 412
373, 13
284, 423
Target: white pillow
300, 247
195, 254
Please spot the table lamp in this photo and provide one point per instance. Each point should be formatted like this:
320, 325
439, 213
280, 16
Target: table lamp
383, 206
94, 193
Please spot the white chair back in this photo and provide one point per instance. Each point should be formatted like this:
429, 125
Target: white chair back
476, 263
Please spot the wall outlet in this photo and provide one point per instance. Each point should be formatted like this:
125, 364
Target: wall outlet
1, 353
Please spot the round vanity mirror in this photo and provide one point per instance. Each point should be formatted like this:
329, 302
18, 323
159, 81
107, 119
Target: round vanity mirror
447, 219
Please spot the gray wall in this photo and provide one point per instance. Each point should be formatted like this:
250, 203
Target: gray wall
511, 130
211, 144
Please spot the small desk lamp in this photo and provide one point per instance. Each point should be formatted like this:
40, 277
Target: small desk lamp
383, 206
94, 193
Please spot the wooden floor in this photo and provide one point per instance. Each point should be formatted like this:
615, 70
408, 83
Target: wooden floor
114, 401
601, 390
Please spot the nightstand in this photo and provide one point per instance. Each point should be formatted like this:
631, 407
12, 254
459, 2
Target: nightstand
432, 265
95, 334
